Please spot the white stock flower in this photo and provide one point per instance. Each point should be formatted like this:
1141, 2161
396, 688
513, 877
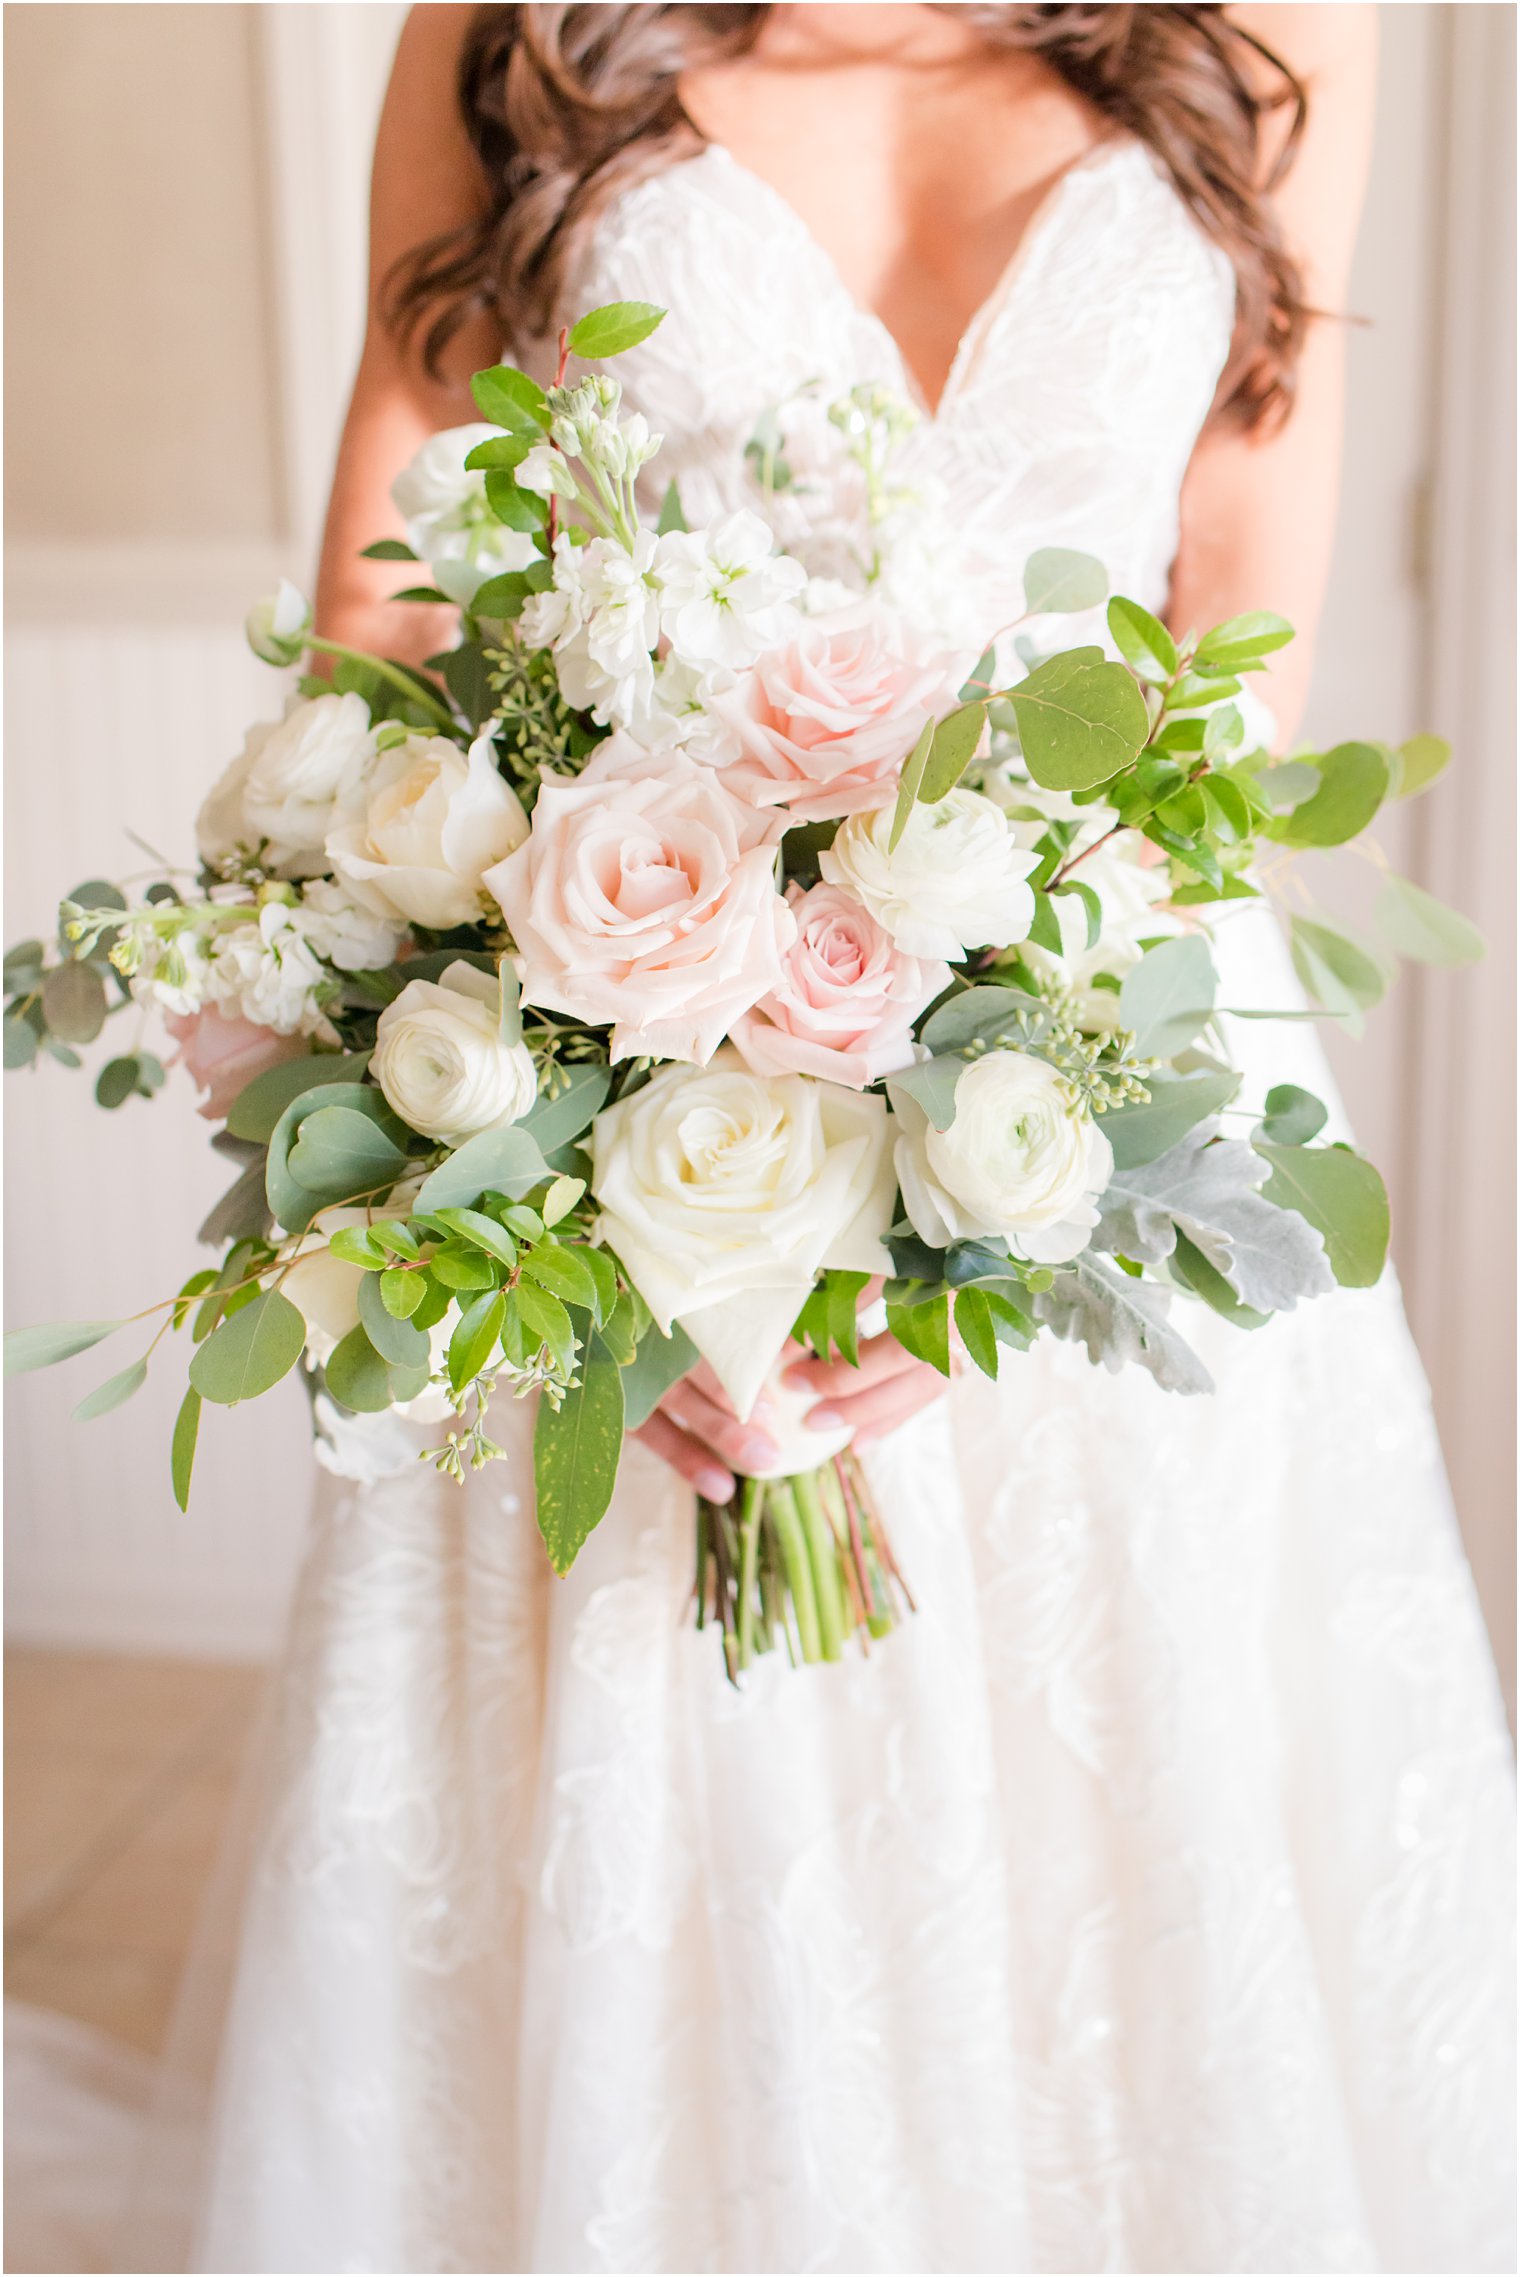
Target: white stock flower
545, 472
412, 839
723, 1193
601, 618
173, 975
268, 972
443, 503
725, 593
285, 782
955, 880
443, 1063
1021, 1161
352, 938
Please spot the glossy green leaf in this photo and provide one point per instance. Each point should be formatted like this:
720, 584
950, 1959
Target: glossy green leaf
563, 1271
1242, 641
510, 398
609, 331
546, 1322
973, 1321
1142, 640
385, 549
401, 1292
576, 1451
476, 1337
658, 1362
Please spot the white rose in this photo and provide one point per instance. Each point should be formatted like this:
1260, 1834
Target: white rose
442, 1062
443, 503
284, 784
414, 837
723, 1193
268, 972
955, 881
1020, 1161
725, 593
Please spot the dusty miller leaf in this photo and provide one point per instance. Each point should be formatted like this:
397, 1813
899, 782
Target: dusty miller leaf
1208, 1191
1122, 1322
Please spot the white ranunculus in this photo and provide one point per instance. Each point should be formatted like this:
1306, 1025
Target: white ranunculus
442, 1062
344, 934
444, 505
955, 881
1020, 1161
412, 840
726, 595
723, 1193
267, 972
285, 782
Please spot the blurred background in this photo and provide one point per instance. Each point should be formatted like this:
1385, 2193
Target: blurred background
185, 219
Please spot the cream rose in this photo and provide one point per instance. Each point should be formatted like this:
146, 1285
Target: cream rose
646, 899
443, 1063
415, 837
1019, 1161
955, 881
824, 723
285, 783
847, 999
723, 1193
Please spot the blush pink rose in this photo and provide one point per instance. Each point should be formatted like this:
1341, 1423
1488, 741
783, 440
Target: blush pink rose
824, 723
646, 899
223, 1055
847, 1000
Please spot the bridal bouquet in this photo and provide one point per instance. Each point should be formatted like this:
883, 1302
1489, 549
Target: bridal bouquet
696, 954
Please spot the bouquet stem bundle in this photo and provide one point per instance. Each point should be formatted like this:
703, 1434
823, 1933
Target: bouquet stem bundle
804, 1562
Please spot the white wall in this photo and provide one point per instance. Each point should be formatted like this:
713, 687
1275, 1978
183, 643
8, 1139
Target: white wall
127, 728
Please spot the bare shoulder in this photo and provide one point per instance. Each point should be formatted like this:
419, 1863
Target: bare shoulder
1318, 43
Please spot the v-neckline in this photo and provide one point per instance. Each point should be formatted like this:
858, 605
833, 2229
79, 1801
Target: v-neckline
987, 309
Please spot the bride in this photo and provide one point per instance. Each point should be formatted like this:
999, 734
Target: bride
1143, 1903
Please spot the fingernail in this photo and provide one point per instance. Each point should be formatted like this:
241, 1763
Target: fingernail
824, 1419
796, 1379
757, 1447
716, 1485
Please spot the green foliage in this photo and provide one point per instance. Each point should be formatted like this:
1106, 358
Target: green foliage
1353, 783
952, 745
1342, 1196
829, 1320
921, 1323
28, 1348
1417, 763
354, 1152
1424, 929
556, 1119
507, 1161
1335, 971
260, 1104
1081, 719
1139, 1134
1169, 995
610, 331
187, 1425
576, 1450
250, 1352
1058, 581
910, 784
509, 398
1241, 643
74, 1002
1292, 1117
112, 1393
1144, 643
658, 1362
136, 1076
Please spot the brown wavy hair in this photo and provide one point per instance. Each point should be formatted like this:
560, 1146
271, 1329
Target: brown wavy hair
565, 106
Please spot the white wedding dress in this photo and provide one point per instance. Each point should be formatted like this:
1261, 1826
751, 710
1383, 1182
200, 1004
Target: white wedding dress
1145, 1903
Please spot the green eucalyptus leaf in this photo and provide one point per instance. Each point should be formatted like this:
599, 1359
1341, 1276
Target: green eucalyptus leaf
187, 1426
1092, 908
1424, 929
609, 331
1417, 764
116, 1082
932, 1083
951, 749
1081, 719
74, 1002
1058, 582
1169, 995
1342, 1196
357, 1377
1335, 971
112, 1393
909, 785
507, 1161
1292, 1116
553, 1123
251, 1351
1353, 785
658, 1362
28, 1348
1144, 1131
576, 1450
260, 1104
20, 1041
342, 1155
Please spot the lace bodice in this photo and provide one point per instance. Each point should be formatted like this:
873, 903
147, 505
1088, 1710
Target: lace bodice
1075, 398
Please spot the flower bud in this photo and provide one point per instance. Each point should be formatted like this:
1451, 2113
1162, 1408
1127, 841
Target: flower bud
277, 628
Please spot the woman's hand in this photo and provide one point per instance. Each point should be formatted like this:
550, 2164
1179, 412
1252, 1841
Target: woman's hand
695, 1430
